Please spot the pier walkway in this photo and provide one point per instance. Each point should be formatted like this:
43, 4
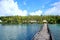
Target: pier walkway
43, 34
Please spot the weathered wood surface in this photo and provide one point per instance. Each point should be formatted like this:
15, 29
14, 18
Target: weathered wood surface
43, 34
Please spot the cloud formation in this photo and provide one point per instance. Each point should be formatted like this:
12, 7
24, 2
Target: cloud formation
55, 10
38, 12
9, 7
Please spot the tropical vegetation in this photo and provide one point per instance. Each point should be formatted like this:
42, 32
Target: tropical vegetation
27, 19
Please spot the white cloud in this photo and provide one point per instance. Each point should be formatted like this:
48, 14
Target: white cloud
38, 12
55, 10
9, 7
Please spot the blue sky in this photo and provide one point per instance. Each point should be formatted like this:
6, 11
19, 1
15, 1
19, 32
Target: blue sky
33, 5
29, 7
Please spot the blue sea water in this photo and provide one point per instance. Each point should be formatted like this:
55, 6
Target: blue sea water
25, 31
18, 32
55, 30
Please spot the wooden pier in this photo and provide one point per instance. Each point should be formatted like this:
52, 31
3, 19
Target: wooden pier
44, 34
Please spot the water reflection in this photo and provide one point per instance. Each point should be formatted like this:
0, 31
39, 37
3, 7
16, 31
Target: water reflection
18, 32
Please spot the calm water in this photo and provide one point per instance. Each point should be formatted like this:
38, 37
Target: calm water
55, 30
25, 31
18, 32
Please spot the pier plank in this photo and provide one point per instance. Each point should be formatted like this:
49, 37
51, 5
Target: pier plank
43, 34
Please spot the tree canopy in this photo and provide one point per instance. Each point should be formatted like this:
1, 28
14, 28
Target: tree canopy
26, 19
